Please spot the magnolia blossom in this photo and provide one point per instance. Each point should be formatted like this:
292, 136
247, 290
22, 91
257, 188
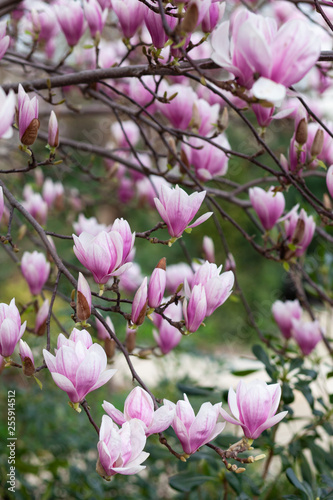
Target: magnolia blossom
284, 313
154, 24
207, 158
307, 334
52, 192
71, 19
27, 117
195, 431
7, 112
176, 275
130, 14
11, 329
253, 406
4, 39
95, 16
101, 254
180, 109
123, 228
167, 336
268, 205
329, 180
36, 207
35, 270
120, 450
217, 286
258, 48
140, 405
90, 225
79, 366
177, 209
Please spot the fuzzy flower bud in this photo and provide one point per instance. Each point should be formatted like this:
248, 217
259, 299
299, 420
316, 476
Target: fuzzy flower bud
140, 302
27, 359
83, 299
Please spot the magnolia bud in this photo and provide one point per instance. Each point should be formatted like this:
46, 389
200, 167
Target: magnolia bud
109, 347
318, 143
301, 135
130, 339
191, 19
83, 300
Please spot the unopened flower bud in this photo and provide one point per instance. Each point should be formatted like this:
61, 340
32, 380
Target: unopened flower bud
109, 347
130, 340
302, 131
83, 301
41, 318
157, 284
196, 118
139, 306
53, 131
318, 143
27, 359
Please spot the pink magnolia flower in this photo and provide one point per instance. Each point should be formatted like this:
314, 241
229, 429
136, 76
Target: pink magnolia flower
43, 23
254, 406
123, 228
4, 39
180, 109
213, 15
149, 187
176, 274
258, 47
326, 154
300, 226
71, 19
40, 324
139, 305
35, 270
53, 131
156, 287
125, 135
284, 312
11, 329
217, 286
102, 332
268, 205
120, 450
195, 309
140, 405
83, 300
167, 336
52, 191
329, 180
130, 14
27, 117
154, 25
208, 249
208, 116
95, 17
307, 334
177, 209
2, 203
208, 160
101, 254
36, 207
7, 113
79, 366
195, 431
90, 226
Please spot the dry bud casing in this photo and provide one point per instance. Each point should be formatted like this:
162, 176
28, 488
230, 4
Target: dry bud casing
30, 135
191, 18
318, 143
301, 135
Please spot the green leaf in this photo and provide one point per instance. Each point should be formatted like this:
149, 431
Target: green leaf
195, 391
243, 373
294, 481
261, 354
187, 482
287, 393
